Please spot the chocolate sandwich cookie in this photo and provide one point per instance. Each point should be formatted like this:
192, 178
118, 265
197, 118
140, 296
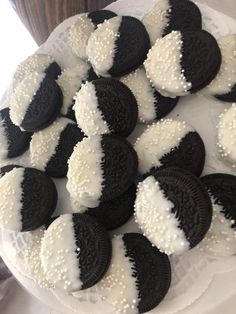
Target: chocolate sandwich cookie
28, 199
51, 148
6, 169
169, 15
170, 143
173, 209
111, 214
36, 102
227, 136
223, 86
118, 46
75, 252
101, 168
183, 62
151, 104
13, 142
221, 237
106, 106
42, 63
70, 82
139, 276
83, 27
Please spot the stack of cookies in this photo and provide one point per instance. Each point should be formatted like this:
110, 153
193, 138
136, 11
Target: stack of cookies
75, 123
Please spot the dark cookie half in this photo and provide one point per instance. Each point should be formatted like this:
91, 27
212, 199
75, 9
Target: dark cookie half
7, 169
53, 70
132, 46
222, 187
201, 58
139, 276
184, 15
117, 105
100, 16
15, 141
29, 199
119, 166
164, 105
113, 214
229, 97
44, 107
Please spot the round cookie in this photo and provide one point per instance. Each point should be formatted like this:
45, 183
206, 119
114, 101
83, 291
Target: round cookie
13, 142
118, 46
106, 106
227, 136
37, 62
28, 199
223, 86
75, 252
101, 168
151, 104
139, 276
83, 27
183, 62
36, 102
111, 214
51, 148
170, 143
173, 209
169, 15
70, 82
221, 238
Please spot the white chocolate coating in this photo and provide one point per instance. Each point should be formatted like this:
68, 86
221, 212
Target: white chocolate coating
220, 239
140, 86
3, 140
163, 66
85, 173
101, 46
70, 82
227, 136
226, 77
158, 223
157, 19
58, 255
79, 34
159, 139
23, 96
87, 113
44, 143
11, 199
118, 286
34, 63
32, 258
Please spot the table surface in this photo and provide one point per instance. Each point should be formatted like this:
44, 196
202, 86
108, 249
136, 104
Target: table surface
21, 302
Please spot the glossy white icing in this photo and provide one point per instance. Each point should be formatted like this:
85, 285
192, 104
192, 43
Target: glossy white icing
220, 239
140, 86
34, 63
159, 139
11, 199
3, 140
157, 19
227, 136
23, 96
101, 46
79, 34
118, 286
226, 77
158, 223
85, 173
58, 255
163, 66
44, 143
70, 82
88, 116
